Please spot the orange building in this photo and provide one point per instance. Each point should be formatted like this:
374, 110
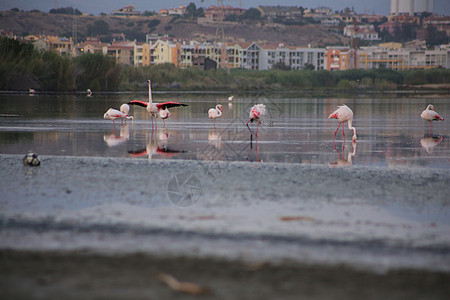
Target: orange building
340, 59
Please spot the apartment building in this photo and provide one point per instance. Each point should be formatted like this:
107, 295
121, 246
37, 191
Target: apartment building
215, 14
339, 58
62, 45
123, 53
264, 57
362, 32
403, 58
164, 51
142, 55
280, 12
126, 11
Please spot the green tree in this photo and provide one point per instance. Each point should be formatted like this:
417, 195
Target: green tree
435, 37
65, 11
251, 14
281, 66
153, 23
99, 27
97, 71
192, 12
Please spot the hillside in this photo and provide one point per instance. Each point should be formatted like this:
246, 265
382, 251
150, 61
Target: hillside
22, 23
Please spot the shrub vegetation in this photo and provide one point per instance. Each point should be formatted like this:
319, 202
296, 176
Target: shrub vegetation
23, 67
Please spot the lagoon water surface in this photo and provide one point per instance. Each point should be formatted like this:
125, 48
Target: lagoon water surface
117, 187
295, 129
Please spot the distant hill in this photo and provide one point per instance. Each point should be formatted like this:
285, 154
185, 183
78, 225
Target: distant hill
23, 23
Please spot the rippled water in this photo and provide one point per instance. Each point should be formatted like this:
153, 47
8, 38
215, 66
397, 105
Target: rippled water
295, 130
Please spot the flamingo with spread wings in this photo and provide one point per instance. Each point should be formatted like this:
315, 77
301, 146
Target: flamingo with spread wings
154, 108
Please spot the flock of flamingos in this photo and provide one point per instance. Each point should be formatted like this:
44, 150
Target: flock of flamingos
257, 112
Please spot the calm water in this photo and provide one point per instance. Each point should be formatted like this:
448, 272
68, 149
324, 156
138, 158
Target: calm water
296, 130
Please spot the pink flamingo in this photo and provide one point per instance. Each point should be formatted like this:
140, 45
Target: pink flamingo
430, 115
122, 114
214, 113
164, 114
343, 114
153, 108
257, 113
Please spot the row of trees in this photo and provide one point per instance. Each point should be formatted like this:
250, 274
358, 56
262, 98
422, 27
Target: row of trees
23, 67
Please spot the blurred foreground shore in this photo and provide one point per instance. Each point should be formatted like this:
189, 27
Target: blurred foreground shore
81, 275
89, 227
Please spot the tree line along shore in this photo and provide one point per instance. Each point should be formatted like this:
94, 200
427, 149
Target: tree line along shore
23, 67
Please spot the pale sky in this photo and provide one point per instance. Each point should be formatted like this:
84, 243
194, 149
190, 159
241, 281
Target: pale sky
107, 6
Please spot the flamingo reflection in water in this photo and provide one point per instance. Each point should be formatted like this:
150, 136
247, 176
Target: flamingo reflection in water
114, 140
429, 142
215, 139
256, 150
342, 162
157, 143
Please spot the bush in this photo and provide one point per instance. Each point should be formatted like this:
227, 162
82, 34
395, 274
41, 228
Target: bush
153, 23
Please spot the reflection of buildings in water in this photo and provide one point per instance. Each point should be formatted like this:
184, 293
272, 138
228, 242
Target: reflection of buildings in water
342, 162
157, 143
114, 140
428, 143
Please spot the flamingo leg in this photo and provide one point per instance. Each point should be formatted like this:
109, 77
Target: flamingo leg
114, 124
214, 123
256, 151
256, 134
343, 132
249, 128
336, 131
164, 121
430, 127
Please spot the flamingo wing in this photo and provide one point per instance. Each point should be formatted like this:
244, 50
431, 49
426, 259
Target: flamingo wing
169, 104
138, 102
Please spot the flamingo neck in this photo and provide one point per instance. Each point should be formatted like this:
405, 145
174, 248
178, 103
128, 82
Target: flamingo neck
218, 110
352, 128
150, 100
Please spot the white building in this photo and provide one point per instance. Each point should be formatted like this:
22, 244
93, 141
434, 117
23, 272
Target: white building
256, 57
403, 59
411, 7
362, 32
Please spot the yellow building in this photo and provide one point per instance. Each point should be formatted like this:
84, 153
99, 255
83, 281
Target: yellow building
62, 45
391, 45
165, 52
142, 56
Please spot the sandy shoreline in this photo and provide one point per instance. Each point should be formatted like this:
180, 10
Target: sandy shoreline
78, 227
82, 275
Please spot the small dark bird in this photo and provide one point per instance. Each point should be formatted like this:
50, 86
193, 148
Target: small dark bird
31, 159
